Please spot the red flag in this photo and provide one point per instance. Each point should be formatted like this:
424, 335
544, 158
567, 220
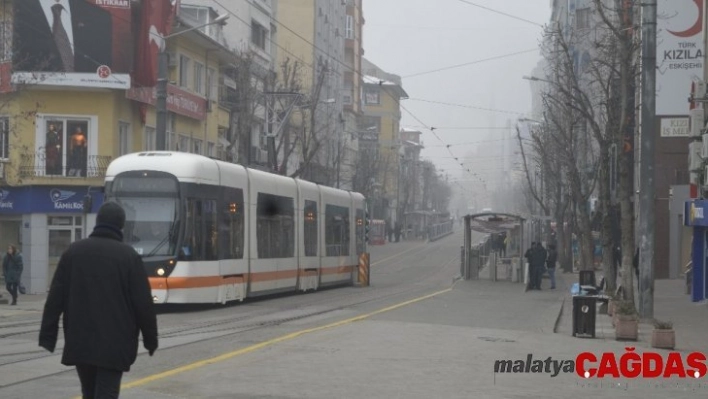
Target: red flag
156, 19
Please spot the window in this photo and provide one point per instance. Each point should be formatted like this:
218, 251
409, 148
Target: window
259, 35
123, 138
199, 78
197, 146
337, 230
183, 143
65, 145
150, 137
5, 39
4, 138
349, 32
372, 95
275, 230
360, 231
231, 227
212, 87
582, 18
211, 150
184, 71
200, 235
310, 233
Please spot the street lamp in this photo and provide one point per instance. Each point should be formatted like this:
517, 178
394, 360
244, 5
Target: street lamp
162, 62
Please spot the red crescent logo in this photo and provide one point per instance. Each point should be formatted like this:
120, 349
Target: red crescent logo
697, 27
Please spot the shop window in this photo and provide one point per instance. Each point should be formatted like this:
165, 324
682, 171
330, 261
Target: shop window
66, 146
337, 230
275, 228
310, 233
231, 227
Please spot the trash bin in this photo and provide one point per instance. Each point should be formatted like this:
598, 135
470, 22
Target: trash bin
584, 315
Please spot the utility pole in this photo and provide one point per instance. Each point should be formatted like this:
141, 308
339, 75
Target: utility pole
161, 105
646, 162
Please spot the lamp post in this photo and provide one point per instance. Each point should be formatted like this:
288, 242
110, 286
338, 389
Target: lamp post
162, 63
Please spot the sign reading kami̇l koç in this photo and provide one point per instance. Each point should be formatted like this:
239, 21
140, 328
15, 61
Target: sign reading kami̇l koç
679, 53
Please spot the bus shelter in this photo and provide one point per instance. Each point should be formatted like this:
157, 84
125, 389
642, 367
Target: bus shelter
477, 256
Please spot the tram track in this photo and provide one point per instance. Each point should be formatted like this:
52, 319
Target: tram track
242, 323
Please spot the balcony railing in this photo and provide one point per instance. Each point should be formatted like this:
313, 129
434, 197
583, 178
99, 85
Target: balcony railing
36, 165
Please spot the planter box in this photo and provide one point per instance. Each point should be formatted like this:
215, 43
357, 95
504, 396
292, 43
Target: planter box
664, 339
626, 328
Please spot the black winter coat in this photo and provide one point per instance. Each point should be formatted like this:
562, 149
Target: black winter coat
101, 289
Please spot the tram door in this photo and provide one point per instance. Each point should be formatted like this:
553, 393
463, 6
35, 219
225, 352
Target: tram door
62, 230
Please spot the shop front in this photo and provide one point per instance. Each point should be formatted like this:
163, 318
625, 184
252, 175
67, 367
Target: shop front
696, 216
43, 221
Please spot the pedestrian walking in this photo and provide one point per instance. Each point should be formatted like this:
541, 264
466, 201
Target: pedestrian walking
540, 261
102, 284
12, 267
551, 264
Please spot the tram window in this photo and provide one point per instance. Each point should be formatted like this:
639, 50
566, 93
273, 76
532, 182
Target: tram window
310, 233
210, 233
231, 224
337, 230
360, 231
193, 233
275, 230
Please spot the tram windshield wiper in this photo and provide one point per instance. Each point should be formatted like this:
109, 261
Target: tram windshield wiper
167, 238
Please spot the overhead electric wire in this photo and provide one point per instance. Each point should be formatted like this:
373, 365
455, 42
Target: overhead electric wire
499, 57
501, 13
466, 106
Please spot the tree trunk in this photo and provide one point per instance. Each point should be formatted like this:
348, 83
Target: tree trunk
627, 224
605, 206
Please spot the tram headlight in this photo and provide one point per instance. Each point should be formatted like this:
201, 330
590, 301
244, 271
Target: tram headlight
160, 271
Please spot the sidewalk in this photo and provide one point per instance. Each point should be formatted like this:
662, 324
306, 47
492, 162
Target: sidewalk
670, 304
26, 305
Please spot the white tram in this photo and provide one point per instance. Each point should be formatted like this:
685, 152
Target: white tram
213, 232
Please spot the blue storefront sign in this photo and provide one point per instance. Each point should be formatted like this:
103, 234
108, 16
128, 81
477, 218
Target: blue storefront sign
48, 199
696, 216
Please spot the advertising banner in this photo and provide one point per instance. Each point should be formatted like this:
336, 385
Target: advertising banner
679, 53
87, 43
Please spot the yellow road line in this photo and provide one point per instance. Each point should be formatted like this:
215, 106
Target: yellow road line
398, 254
252, 348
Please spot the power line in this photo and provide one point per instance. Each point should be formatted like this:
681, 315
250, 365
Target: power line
501, 13
471, 63
466, 106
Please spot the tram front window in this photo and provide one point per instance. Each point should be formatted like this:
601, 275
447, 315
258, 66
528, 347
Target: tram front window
150, 225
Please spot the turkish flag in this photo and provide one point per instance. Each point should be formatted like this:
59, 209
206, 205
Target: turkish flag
156, 19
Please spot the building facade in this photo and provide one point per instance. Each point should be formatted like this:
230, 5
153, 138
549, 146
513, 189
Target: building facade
64, 119
311, 36
382, 94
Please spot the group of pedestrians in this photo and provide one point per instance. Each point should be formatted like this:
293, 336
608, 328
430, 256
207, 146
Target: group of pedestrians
541, 260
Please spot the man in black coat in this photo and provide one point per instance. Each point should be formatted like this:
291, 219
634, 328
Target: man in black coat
61, 36
102, 290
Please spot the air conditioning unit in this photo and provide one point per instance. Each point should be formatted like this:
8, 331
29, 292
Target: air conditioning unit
695, 161
698, 116
699, 90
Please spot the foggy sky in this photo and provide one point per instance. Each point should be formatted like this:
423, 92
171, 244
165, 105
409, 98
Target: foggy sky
406, 37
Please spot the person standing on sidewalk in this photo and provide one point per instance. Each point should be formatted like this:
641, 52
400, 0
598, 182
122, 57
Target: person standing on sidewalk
12, 267
551, 264
102, 290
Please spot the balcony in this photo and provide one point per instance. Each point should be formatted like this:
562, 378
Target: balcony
35, 164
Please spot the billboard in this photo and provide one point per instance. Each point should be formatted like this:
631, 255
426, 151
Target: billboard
679, 53
73, 42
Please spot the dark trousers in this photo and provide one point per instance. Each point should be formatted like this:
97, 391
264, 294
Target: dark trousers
99, 383
12, 289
